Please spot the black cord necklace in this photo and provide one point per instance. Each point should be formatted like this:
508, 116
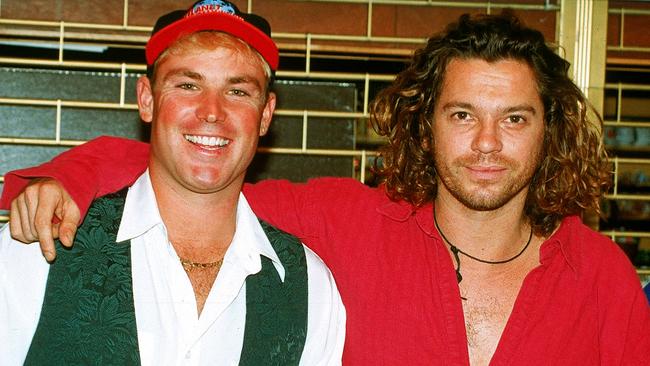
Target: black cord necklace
456, 251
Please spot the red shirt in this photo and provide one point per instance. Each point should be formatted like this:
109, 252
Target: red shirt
583, 305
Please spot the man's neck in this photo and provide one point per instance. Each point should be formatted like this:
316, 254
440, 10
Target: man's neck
489, 234
198, 220
198, 223
488, 291
200, 227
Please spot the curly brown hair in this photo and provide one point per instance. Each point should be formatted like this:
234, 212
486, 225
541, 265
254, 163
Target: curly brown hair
574, 171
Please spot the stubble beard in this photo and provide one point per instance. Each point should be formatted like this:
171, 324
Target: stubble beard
484, 195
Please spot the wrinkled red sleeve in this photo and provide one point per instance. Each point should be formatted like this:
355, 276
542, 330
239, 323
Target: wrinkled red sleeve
282, 204
317, 212
100, 166
624, 319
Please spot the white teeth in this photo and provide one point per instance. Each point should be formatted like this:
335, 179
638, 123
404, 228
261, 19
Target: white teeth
207, 140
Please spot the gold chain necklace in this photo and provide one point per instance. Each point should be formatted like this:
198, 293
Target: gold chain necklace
189, 265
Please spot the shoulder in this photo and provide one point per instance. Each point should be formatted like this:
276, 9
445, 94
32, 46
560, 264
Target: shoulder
341, 185
584, 240
23, 277
293, 254
326, 315
16, 255
317, 271
24, 273
597, 256
280, 240
326, 185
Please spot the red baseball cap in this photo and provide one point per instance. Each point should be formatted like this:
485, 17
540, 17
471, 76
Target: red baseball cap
217, 15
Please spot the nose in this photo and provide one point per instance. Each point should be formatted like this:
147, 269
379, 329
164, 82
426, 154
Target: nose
487, 139
210, 108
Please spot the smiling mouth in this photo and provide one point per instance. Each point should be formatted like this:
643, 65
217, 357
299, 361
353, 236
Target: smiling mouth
207, 141
486, 172
486, 169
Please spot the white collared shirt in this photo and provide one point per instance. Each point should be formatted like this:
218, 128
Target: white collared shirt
170, 332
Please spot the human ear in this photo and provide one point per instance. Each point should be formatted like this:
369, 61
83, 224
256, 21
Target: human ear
145, 99
267, 113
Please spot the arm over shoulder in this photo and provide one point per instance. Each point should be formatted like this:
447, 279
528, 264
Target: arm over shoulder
305, 210
98, 167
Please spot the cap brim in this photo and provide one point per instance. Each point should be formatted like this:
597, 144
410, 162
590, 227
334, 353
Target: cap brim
216, 21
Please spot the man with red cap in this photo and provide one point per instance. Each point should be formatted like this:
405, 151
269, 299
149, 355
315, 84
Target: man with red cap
177, 269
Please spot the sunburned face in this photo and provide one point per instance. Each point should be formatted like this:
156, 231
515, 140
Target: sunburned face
208, 109
488, 132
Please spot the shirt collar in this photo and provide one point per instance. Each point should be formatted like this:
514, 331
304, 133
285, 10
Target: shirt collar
248, 244
564, 239
401, 211
250, 241
140, 210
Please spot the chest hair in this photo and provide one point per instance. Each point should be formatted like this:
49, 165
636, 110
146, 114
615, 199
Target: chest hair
202, 281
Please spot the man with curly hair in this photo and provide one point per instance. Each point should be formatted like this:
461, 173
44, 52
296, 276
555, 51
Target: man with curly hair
472, 250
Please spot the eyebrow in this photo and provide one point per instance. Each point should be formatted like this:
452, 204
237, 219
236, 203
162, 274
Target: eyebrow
233, 80
244, 80
521, 108
451, 105
516, 108
183, 72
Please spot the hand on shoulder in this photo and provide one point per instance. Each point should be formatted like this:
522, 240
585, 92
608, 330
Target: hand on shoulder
43, 212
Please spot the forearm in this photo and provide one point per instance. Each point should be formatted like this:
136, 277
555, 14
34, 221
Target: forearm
103, 165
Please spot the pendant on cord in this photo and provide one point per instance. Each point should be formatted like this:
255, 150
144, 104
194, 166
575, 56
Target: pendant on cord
457, 252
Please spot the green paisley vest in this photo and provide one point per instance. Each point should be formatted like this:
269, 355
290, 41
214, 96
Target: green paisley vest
88, 316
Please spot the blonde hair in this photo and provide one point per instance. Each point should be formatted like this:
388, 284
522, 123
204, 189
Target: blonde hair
210, 40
